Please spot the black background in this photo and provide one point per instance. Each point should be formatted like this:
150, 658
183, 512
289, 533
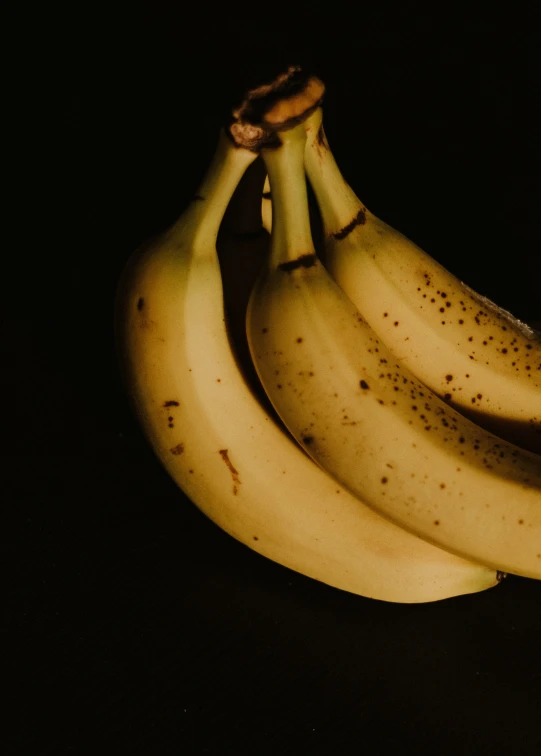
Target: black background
131, 623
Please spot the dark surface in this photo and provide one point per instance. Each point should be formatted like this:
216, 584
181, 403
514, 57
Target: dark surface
132, 625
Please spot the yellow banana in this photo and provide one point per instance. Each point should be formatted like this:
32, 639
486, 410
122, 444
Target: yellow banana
364, 417
479, 358
223, 448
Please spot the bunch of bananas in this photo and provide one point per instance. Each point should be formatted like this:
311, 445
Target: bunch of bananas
336, 411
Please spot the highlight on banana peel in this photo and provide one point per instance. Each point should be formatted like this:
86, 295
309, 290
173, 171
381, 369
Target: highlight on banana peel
330, 395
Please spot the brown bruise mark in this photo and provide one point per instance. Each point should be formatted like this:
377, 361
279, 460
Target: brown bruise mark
171, 403
256, 538
436, 522
307, 440
304, 261
299, 340
178, 449
359, 220
140, 303
224, 454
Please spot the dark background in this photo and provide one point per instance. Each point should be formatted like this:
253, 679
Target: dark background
131, 623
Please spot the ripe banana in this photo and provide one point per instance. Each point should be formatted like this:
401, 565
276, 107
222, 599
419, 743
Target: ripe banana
365, 418
479, 358
220, 445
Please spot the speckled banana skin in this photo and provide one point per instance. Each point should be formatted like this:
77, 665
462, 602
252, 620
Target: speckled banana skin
365, 418
473, 354
220, 445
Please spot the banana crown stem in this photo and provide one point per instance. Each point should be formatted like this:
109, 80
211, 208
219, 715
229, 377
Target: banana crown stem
205, 213
338, 204
291, 235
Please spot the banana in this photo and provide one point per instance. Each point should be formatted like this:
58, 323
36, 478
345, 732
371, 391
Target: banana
478, 357
364, 417
222, 447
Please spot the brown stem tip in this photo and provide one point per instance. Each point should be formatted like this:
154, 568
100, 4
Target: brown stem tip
283, 103
249, 136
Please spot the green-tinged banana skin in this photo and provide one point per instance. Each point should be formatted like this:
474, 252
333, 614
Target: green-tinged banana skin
220, 445
478, 357
365, 418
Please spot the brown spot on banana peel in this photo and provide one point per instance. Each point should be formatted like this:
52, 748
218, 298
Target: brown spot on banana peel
178, 449
224, 454
171, 403
359, 220
304, 261
140, 303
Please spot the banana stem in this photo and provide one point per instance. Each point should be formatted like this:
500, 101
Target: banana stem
338, 203
291, 238
206, 211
